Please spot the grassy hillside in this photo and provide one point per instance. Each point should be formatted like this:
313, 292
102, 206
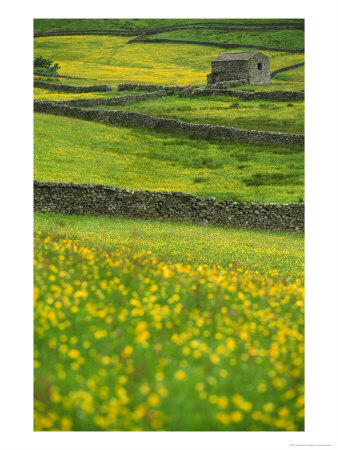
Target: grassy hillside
109, 59
74, 150
48, 25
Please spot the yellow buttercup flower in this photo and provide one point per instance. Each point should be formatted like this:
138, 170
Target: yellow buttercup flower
73, 353
127, 351
180, 375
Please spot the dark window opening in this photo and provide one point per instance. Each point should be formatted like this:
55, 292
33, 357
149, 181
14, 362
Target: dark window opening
259, 66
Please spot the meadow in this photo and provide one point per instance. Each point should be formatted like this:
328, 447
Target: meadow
110, 59
125, 341
74, 150
150, 325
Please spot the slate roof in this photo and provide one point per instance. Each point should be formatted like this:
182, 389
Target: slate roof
234, 56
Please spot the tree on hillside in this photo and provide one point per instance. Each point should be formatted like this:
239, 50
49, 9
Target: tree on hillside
44, 66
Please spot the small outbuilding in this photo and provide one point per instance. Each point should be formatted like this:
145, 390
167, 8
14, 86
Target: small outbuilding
246, 67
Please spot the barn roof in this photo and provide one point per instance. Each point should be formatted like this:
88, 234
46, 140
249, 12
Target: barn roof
234, 56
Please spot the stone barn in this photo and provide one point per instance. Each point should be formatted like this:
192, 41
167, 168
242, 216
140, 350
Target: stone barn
245, 67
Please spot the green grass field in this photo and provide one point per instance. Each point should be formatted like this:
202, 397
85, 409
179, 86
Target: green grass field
85, 152
266, 115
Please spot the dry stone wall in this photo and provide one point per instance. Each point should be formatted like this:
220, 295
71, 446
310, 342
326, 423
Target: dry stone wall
219, 90
83, 102
70, 88
151, 87
100, 200
120, 117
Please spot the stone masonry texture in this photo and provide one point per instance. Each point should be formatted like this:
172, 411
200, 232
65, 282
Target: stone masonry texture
112, 100
218, 89
100, 200
70, 88
254, 67
151, 87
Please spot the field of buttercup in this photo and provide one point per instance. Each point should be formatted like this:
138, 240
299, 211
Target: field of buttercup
282, 253
144, 325
125, 341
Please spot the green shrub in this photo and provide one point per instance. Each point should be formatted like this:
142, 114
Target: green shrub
44, 66
200, 180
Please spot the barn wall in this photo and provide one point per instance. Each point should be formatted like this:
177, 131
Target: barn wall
239, 70
259, 76
228, 70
